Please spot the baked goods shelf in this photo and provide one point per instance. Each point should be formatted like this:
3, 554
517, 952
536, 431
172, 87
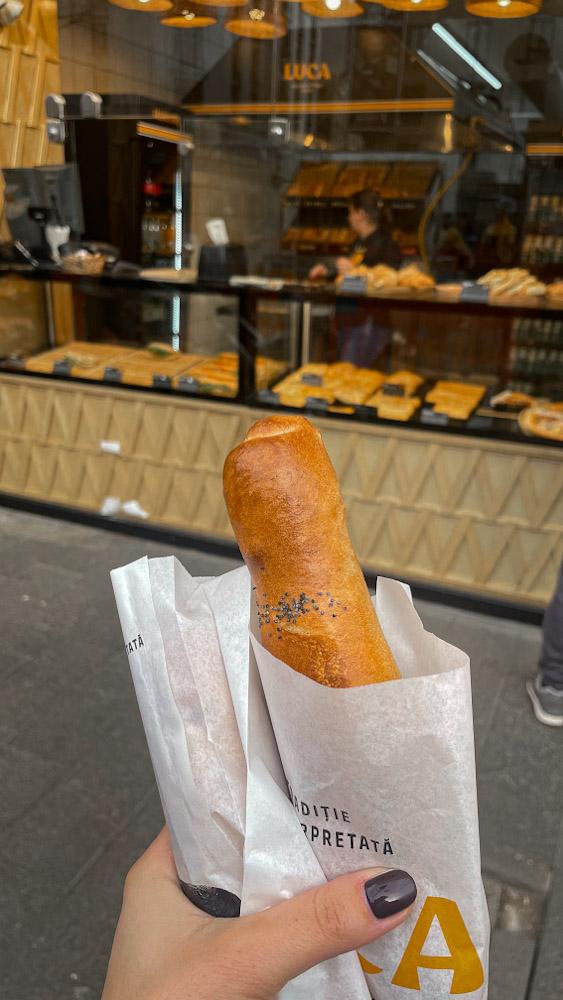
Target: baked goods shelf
250, 373
306, 291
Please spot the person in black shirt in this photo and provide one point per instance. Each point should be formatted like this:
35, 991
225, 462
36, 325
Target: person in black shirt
360, 339
373, 246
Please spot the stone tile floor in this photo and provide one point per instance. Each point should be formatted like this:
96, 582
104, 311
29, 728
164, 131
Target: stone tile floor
79, 802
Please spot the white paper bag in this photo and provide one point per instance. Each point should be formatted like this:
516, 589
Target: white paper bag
380, 775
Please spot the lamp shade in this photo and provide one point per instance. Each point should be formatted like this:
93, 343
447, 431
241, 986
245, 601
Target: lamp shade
414, 5
257, 20
332, 8
189, 15
146, 5
503, 8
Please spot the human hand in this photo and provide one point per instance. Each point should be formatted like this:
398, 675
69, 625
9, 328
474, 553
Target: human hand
318, 271
344, 265
167, 949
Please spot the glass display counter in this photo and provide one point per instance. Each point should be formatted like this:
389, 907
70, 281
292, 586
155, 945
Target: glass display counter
436, 358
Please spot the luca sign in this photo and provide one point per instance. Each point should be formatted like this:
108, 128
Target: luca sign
305, 72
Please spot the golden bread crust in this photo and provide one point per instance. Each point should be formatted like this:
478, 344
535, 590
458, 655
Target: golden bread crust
288, 516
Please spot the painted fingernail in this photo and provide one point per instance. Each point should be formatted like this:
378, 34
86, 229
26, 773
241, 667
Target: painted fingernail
213, 901
390, 892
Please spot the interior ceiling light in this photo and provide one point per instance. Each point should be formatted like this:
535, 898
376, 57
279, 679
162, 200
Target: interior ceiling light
466, 55
144, 5
189, 15
257, 20
332, 8
503, 8
418, 5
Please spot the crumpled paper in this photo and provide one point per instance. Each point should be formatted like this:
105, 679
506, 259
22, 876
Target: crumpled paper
271, 783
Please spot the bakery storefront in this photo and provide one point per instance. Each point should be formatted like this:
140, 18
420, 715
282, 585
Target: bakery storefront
352, 211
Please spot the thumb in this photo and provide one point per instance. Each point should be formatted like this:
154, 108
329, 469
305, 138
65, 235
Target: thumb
333, 918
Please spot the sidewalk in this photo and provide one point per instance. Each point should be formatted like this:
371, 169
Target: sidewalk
80, 804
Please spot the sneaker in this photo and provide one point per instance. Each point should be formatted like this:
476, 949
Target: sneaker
547, 702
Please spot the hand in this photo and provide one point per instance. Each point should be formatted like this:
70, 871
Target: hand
318, 271
344, 265
167, 949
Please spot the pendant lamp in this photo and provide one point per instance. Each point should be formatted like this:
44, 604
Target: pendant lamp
503, 8
332, 8
257, 20
189, 15
414, 5
146, 5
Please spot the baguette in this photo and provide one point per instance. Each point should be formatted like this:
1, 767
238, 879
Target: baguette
288, 516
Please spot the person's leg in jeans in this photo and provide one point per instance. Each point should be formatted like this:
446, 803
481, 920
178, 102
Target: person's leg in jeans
546, 691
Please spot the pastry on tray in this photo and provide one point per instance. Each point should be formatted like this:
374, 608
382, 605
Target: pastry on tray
410, 380
543, 420
412, 277
394, 407
510, 398
455, 399
511, 282
85, 360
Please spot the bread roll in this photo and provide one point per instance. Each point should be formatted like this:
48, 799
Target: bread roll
288, 516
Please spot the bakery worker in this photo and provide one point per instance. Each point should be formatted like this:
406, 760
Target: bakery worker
360, 339
371, 224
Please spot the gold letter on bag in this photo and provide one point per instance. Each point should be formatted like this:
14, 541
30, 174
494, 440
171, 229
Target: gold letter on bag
464, 960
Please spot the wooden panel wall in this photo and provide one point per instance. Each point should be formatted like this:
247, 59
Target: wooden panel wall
475, 515
29, 69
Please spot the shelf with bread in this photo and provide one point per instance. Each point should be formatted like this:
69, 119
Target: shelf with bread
345, 389
156, 366
444, 361
319, 196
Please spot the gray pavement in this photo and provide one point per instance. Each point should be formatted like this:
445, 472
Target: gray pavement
79, 803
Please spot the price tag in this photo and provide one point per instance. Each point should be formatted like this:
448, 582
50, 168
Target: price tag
428, 416
15, 363
112, 374
308, 378
161, 382
268, 396
187, 383
61, 368
472, 292
365, 412
393, 389
313, 403
353, 284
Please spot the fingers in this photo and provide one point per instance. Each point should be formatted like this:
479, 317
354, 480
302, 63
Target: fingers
329, 920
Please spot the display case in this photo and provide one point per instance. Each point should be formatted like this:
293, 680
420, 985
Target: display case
436, 358
430, 359
160, 333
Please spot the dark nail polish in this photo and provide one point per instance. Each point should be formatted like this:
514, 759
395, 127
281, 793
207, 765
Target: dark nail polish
390, 892
213, 901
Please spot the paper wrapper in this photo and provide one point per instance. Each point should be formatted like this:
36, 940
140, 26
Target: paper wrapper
381, 775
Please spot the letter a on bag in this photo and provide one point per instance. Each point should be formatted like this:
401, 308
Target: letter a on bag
463, 958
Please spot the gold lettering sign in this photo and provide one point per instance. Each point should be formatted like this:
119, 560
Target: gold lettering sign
306, 71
